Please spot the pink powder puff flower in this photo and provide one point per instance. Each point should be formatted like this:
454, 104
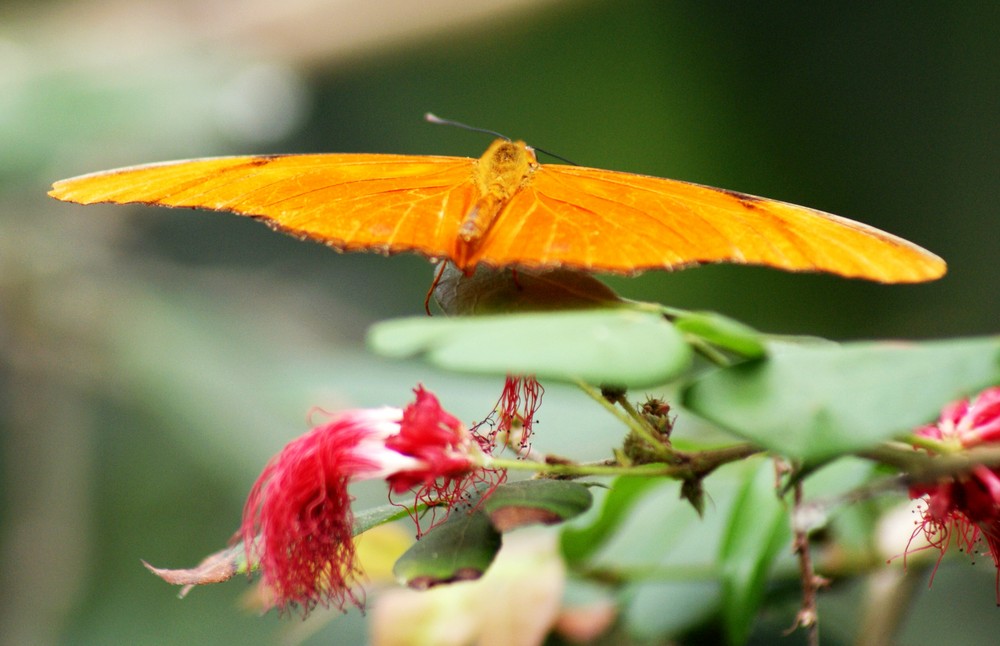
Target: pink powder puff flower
966, 507
297, 520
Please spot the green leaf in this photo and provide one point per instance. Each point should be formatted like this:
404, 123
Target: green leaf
815, 402
530, 502
665, 556
661, 555
460, 549
371, 518
758, 528
608, 346
580, 543
721, 331
655, 609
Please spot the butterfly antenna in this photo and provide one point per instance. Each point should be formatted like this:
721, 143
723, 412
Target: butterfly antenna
559, 157
430, 117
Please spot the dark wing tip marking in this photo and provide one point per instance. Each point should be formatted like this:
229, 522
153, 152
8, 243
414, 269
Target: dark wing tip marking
746, 200
263, 160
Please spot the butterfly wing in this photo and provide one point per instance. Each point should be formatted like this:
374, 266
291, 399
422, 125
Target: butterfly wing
565, 216
383, 203
592, 219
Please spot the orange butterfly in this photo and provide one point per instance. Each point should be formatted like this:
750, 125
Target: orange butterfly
507, 210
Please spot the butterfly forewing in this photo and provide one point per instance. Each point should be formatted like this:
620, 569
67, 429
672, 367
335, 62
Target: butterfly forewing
620, 222
386, 203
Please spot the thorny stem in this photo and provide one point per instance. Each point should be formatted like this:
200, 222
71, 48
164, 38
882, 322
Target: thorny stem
808, 615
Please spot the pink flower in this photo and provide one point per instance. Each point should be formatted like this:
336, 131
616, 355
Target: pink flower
965, 508
297, 520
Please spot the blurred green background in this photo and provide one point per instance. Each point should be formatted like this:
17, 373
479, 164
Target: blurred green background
152, 360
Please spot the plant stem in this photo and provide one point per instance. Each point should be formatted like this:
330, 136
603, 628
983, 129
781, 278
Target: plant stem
808, 615
580, 470
692, 466
920, 466
632, 420
707, 350
934, 446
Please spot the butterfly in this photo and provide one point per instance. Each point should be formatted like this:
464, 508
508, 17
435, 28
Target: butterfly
506, 210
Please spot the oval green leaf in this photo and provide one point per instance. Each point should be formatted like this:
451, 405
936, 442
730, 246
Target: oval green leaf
371, 518
815, 402
579, 543
531, 502
722, 331
460, 549
609, 346
758, 529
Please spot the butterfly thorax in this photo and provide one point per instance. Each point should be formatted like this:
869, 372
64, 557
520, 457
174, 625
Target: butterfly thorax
503, 170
